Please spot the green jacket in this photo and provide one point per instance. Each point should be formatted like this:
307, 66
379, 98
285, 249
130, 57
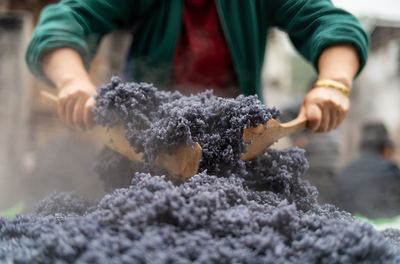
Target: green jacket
311, 24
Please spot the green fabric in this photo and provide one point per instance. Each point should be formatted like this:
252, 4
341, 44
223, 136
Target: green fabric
13, 211
381, 223
312, 25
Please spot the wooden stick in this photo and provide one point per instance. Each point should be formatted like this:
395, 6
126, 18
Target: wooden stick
261, 137
182, 164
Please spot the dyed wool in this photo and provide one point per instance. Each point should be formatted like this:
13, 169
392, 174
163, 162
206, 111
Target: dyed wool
158, 121
254, 212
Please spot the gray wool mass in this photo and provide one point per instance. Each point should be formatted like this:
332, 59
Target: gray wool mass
260, 211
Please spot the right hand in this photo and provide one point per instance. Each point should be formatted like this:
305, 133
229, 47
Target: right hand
75, 103
325, 108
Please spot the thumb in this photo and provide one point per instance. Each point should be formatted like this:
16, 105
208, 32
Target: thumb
314, 116
302, 113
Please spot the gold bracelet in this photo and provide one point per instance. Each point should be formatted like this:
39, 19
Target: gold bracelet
333, 84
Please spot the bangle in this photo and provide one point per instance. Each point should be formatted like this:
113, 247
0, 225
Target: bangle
333, 84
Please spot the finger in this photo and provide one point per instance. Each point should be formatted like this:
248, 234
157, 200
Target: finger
77, 118
314, 116
343, 112
333, 118
61, 103
325, 120
88, 116
302, 113
337, 120
341, 118
69, 111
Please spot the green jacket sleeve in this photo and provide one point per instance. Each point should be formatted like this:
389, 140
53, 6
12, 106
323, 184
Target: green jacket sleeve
79, 25
313, 25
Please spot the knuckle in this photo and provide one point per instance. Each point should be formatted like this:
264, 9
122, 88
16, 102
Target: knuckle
80, 93
337, 105
75, 94
327, 101
65, 98
88, 106
69, 94
62, 100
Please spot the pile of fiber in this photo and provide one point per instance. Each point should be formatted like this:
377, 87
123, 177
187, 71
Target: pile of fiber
230, 212
157, 121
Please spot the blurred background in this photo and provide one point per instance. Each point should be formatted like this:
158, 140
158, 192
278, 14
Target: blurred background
38, 154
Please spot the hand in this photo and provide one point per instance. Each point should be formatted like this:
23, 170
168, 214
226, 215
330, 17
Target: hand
325, 108
75, 103
64, 67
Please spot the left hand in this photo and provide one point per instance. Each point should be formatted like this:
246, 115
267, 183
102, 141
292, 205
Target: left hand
325, 108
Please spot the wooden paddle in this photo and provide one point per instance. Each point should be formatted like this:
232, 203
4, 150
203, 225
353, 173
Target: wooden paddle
182, 164
261, 137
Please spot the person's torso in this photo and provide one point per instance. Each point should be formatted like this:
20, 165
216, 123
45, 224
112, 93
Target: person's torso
202, 59
156, 39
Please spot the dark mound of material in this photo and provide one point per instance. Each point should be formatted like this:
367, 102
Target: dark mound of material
64, 203
206, 220
158, 121
260, 212
393, 236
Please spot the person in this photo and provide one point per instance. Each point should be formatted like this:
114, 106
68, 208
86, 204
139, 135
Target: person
370, 184
193, 45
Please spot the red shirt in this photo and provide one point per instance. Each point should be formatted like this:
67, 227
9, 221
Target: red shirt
202, 59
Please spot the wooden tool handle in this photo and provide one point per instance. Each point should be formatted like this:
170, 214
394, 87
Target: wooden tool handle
261, 137
182, 164
294, 126
113, 138
48, 99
